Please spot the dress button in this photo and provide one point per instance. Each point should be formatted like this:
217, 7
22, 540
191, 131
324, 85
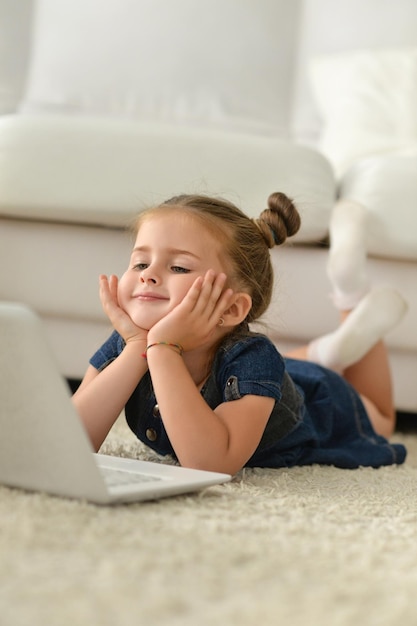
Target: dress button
155, 411
151, 434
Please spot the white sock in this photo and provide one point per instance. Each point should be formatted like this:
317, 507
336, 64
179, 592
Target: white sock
376, 314
346, 267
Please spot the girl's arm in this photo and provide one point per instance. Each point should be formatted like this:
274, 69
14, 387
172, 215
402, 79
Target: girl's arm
221, 440
102, 396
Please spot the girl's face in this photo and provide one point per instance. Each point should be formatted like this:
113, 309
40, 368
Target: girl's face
170, 252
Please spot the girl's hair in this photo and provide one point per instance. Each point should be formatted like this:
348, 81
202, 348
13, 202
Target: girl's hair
245, 241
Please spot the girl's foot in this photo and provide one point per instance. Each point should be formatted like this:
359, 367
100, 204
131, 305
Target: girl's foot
346, 267
376, 315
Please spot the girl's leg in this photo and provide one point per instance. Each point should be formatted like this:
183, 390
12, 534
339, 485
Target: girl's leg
371, 377
356, 349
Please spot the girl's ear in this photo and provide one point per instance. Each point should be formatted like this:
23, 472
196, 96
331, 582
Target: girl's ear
237, 311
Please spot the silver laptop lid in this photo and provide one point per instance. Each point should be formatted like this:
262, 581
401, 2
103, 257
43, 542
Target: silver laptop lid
43, 445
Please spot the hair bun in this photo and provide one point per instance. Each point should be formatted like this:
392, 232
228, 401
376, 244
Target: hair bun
280, 220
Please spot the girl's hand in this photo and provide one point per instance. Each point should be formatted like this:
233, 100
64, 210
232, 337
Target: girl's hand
117, 316
192, 322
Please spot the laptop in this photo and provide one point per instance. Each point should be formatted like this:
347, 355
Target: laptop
44, 446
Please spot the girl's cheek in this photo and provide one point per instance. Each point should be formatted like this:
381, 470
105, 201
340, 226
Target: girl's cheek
181, 291
122, 286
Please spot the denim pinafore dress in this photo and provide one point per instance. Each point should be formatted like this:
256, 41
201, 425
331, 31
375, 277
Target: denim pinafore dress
318, 417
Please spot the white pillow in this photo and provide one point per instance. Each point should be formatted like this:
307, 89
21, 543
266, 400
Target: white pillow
368, 102
216, 62
332, 27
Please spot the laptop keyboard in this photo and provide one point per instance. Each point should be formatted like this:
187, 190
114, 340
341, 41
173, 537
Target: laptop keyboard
116, 478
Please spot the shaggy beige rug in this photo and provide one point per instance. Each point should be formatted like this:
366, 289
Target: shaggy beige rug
305, 546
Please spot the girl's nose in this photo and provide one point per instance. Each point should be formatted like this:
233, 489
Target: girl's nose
148, 277
148, 280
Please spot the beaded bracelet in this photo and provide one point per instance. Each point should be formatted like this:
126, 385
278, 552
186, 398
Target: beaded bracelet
177, 346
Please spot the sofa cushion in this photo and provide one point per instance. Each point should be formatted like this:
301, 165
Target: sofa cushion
387, 186
368, 103
102, 171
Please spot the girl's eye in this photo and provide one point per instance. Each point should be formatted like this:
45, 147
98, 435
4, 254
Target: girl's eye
140, 266
179, 270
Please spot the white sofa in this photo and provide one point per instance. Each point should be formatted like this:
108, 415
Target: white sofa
106, 106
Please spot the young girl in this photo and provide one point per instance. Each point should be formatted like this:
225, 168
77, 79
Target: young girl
196, 383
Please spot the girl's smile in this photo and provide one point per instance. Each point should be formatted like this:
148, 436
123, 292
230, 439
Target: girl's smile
149, 297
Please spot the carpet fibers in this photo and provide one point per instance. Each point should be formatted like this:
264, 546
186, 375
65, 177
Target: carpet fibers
305, 546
